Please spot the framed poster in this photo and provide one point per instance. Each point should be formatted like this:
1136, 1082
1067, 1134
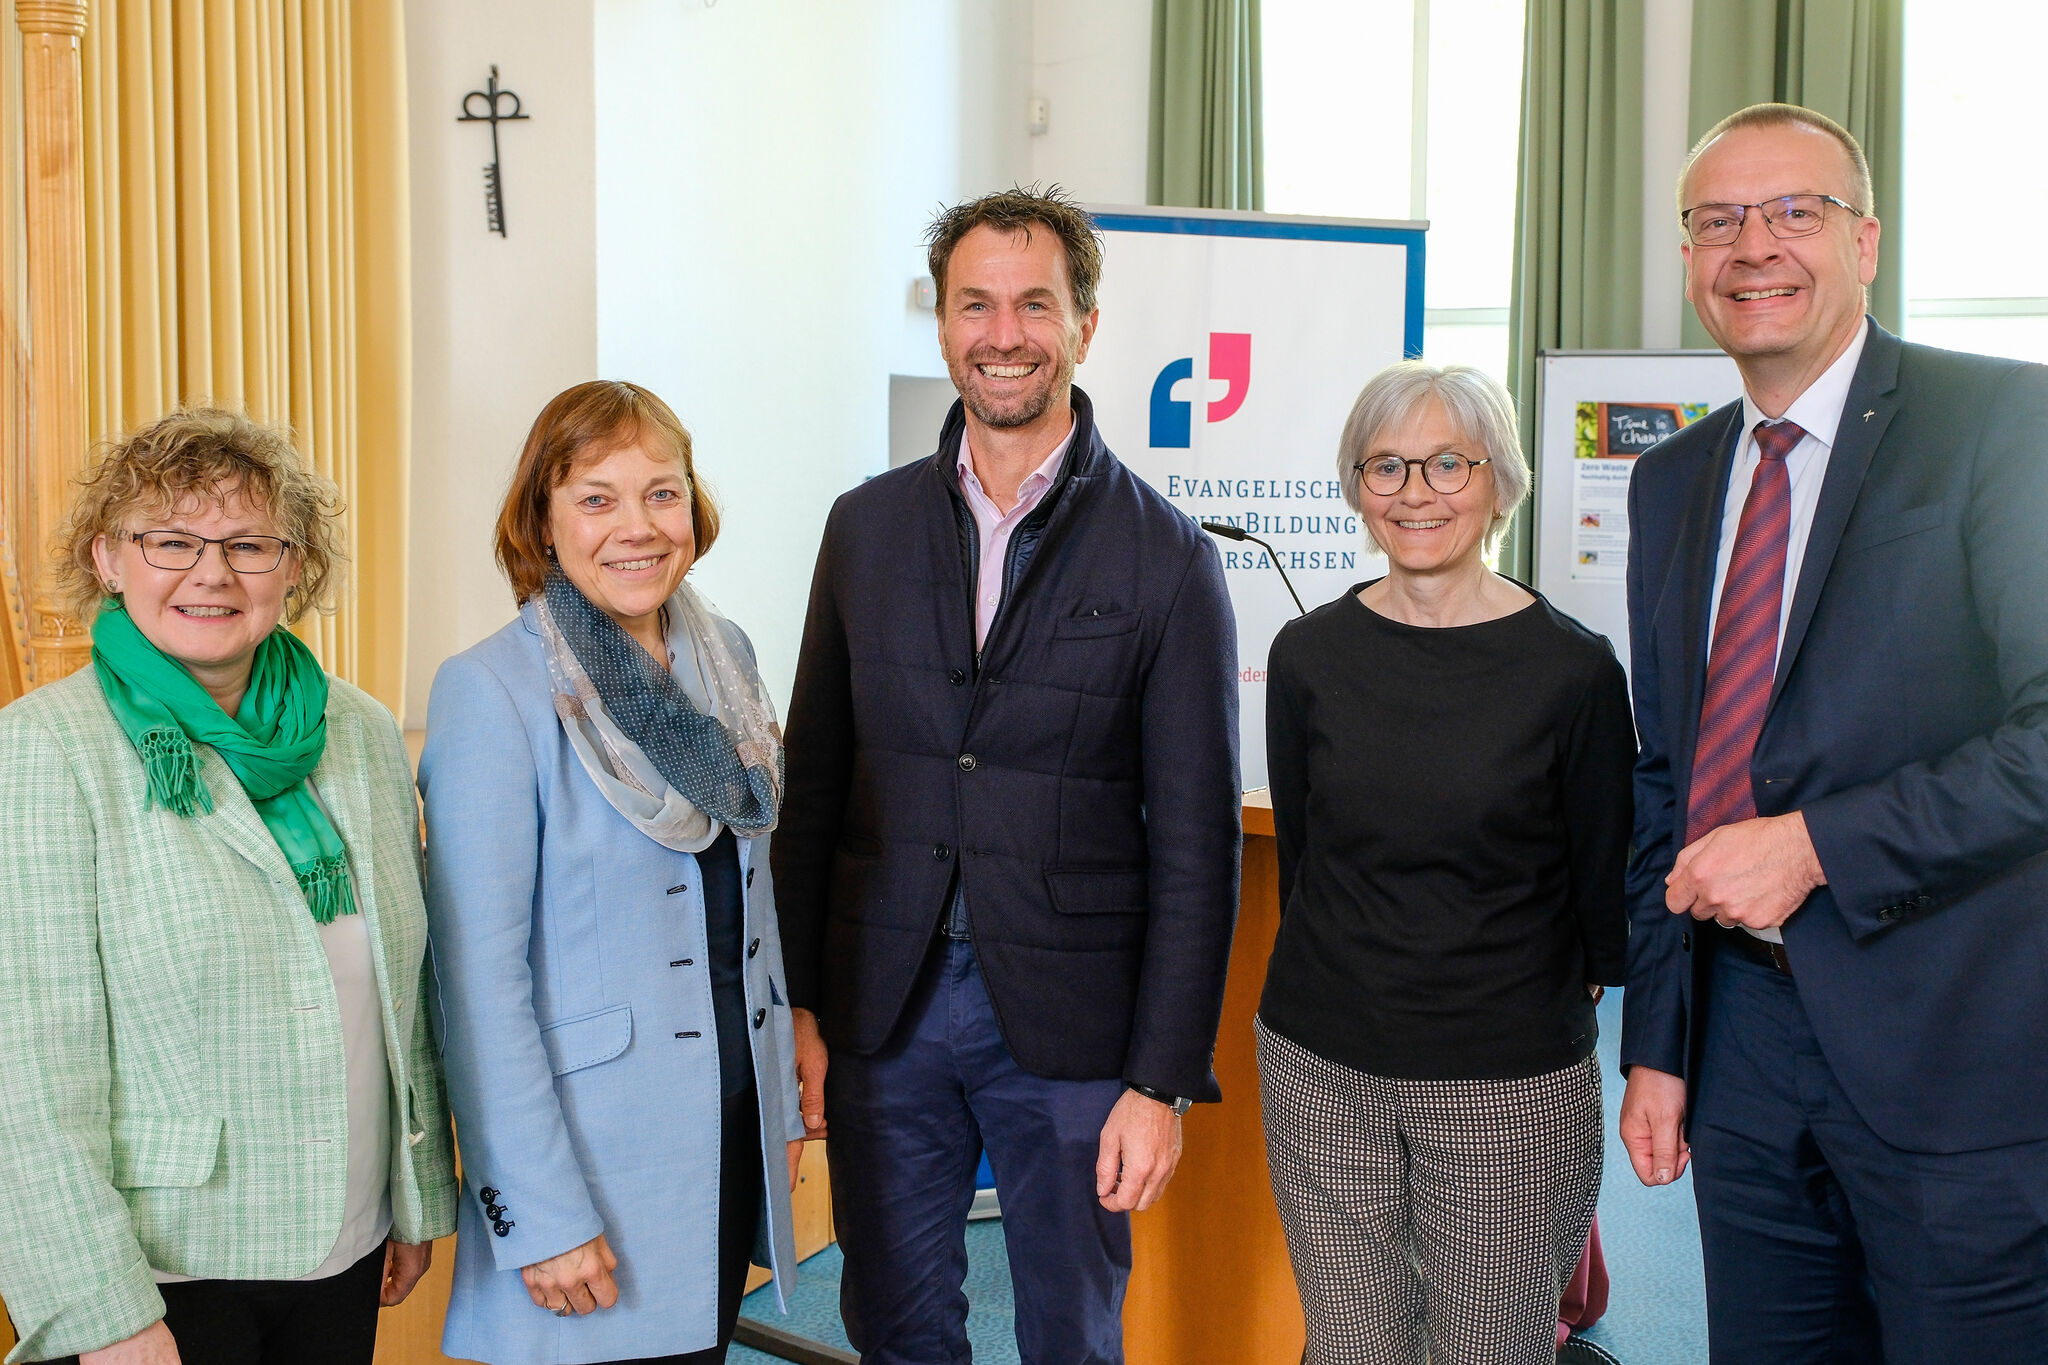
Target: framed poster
1596, 411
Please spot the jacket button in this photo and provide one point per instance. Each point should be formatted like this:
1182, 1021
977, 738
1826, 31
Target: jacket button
967, 763
503, 1227
957, 677
487, 1195
753, 947
494, 1211
941, 852
760, 1017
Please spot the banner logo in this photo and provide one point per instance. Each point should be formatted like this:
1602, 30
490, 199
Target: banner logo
1230, 359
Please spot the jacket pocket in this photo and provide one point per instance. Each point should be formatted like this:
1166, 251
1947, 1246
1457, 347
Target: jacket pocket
152, 1150
587, 1039
1095, 891
1897, 526
1095, 627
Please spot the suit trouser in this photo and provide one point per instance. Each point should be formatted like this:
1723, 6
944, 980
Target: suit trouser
1825, 1244
908, 1125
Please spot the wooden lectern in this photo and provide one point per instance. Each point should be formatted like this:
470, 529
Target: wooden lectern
1210, 1283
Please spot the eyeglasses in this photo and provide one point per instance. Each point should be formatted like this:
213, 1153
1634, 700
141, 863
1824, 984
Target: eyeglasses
177, 550
1791, 215
1447, 472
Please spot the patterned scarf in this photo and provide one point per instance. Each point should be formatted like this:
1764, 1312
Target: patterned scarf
680, 751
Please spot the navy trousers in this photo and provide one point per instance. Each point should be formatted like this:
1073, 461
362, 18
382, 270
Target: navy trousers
908, 1127
1824, 1244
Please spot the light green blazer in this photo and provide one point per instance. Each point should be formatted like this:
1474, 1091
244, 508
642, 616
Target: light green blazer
172, 1089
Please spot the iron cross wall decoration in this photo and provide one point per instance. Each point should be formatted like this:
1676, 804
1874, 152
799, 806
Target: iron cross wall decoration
492, 113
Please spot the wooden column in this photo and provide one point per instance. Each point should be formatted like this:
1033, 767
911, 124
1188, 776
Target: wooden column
53, 119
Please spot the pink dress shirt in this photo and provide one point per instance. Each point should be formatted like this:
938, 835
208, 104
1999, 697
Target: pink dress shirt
995, 527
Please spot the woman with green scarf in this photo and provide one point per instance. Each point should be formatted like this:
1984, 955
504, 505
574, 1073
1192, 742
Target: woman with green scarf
223, 1130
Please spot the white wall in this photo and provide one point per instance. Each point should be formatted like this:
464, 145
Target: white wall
1093, 60
764, 177
726, 203
1667, 86
500, 325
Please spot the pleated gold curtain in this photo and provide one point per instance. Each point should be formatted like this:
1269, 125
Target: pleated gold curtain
247, 246
13, 380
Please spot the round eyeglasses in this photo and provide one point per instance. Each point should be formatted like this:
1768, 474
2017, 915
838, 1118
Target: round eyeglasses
1789, 215
179, 550
1446, 472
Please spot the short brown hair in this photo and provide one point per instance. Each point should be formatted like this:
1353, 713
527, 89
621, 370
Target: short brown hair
1016, 210
1783, 116
578, 424
199, 453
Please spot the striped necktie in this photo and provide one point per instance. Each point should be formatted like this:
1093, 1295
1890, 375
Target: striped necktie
1745, 654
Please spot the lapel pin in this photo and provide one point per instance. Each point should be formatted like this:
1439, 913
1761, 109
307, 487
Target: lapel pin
1868, 415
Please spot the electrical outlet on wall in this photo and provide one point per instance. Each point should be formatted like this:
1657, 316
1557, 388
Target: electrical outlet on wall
1037, 114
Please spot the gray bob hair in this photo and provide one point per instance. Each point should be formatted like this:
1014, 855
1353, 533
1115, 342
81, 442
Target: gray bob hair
1477, 405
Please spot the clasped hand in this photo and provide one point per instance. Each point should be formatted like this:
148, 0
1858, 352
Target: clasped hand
1753, 873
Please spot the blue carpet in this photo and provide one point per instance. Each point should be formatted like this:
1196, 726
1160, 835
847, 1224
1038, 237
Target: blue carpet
814, 1309
1657, 1315
1658, 1312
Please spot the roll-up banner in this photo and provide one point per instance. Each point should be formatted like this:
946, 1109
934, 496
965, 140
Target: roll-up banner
1230, 348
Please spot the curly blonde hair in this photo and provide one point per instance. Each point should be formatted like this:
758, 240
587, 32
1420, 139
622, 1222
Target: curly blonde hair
200, 452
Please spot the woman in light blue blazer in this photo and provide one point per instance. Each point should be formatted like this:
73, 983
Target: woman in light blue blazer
600, 779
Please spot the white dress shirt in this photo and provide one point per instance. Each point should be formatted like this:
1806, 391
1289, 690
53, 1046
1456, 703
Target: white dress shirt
1818, 412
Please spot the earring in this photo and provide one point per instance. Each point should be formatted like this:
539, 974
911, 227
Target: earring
550, 551
113, 590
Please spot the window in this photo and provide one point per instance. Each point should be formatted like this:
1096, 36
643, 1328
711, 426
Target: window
1406, 109
1976, 275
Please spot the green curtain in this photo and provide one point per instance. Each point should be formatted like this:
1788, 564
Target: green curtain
1207, 150
1578, 280
1845, 58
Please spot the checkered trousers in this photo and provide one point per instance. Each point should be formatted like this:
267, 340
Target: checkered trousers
1429, 1221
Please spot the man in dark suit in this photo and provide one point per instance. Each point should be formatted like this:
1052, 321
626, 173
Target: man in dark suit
1838, 607
1008, 859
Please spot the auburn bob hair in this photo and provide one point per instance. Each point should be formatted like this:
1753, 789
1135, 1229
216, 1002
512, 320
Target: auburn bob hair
579, 425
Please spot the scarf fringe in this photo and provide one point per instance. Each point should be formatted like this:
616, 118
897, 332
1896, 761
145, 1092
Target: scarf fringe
173, 771
325, 883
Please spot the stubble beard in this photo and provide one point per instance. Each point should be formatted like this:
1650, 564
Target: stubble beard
1022, 410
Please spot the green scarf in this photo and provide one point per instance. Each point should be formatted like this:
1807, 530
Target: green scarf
271, 744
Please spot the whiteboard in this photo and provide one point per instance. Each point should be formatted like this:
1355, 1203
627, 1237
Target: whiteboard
1582, 484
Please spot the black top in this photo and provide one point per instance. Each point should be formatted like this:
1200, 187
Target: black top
1453, 811
725, 951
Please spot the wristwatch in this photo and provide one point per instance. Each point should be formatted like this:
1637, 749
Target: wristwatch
1179, 1104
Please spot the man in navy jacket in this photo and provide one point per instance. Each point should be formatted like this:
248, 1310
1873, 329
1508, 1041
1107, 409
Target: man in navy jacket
1007, 867
1838, 611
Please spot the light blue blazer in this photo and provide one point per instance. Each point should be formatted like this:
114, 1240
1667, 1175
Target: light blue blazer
576, 1023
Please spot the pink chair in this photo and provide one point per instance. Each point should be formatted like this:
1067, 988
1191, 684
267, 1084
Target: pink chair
1585, 1297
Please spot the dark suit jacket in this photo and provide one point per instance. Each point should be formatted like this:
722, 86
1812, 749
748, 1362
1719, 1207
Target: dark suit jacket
1081, 780
1908, 720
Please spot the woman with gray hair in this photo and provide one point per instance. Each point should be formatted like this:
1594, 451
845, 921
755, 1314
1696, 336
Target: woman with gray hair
1450, 763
